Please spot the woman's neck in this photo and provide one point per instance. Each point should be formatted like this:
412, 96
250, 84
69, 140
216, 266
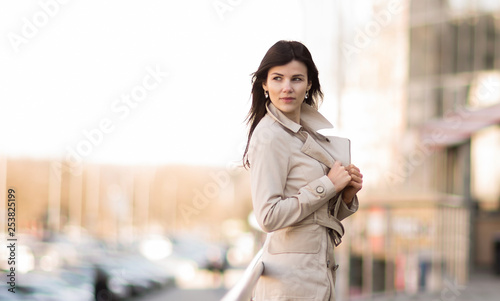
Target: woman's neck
293, 116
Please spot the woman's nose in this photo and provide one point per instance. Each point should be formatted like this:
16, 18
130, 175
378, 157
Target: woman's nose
287, 87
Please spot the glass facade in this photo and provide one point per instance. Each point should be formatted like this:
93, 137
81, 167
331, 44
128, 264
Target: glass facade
450, 42
453, 87
423, 230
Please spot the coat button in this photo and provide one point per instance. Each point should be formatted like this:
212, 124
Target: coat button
320, 189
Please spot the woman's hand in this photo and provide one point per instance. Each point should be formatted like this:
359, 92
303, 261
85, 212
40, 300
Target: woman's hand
354, 185
339, 176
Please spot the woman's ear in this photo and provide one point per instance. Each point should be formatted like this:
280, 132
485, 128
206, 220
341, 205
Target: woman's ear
264, 86
309, 85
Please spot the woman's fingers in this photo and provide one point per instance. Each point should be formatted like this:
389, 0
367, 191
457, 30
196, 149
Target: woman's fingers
353, 169
356, 176
339, 175
352, 166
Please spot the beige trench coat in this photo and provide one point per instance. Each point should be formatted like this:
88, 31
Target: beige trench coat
297, 204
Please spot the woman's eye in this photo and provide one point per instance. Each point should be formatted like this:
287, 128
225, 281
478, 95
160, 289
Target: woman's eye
277, 78
297, 79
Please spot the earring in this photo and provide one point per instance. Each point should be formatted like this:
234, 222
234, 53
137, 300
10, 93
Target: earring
307, 94
266, 94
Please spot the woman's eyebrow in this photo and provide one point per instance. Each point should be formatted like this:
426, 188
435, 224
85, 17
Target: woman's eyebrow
295, 75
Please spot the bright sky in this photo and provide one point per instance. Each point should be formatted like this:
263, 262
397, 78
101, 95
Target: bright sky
66, 71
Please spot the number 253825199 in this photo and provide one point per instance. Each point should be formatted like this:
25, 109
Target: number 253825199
11, 212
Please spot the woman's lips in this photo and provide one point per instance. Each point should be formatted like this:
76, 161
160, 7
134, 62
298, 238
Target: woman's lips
287, 99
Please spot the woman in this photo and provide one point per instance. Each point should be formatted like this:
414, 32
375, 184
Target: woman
301, 181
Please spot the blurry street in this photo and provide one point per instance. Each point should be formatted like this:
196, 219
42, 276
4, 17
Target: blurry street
206, 286
173, 293
61, 269
483, 286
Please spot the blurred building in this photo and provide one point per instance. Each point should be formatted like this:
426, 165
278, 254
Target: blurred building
123, 204
421, 103
454, 97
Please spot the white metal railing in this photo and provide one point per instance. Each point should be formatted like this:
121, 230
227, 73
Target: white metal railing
242, 291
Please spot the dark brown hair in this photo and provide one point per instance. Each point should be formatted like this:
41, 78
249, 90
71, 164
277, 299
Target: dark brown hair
281, 53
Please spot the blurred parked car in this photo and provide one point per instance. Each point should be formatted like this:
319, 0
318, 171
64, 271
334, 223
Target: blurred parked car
42, 286
206, 255
123, 275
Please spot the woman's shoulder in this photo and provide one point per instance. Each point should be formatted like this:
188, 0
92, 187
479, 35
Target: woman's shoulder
269, 129
270, 136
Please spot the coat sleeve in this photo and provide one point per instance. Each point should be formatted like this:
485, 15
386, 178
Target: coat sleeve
347, 210
269, 165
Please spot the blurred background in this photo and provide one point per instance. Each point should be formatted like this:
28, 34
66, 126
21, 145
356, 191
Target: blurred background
123, 125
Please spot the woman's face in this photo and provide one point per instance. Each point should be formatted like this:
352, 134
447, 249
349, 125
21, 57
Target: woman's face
287, 86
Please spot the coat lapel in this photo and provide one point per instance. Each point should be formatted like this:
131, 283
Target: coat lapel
331, 150
339, 148
325, 149
315, 151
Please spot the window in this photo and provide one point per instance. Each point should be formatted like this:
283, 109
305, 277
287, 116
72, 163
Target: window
464, 45
447, 50
418, 51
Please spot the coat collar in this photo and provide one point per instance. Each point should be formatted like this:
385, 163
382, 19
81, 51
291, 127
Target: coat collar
312, 121
310, 118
